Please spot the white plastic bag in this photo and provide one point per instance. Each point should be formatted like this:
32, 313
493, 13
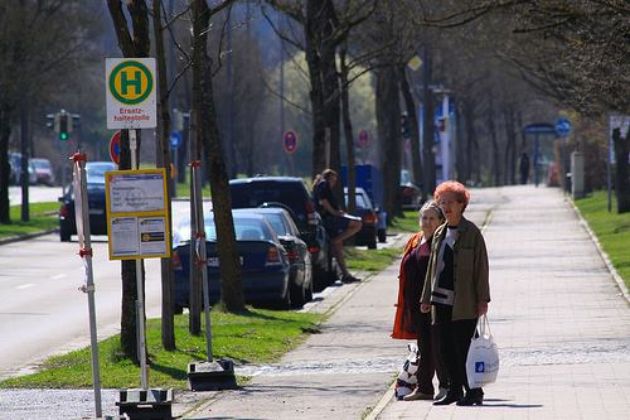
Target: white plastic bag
482, 363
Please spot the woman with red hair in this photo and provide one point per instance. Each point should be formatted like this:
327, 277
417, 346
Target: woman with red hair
456, 290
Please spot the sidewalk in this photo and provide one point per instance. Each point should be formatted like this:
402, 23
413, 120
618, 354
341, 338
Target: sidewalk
340, 373
562, 327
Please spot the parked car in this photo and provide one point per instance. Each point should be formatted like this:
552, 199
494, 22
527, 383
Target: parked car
293, 193
15, 170
301, 274
369, 218
43, 171
265, 264
95, 179
410, 193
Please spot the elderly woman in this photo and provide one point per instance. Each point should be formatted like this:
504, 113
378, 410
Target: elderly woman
409, 322
456, 290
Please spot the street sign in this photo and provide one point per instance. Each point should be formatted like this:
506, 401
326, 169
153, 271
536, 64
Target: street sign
364, 138
130, 93
114, 148
562, 127
540, 128
175, 139
290, 142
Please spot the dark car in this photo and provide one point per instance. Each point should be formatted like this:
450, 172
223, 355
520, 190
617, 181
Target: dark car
410, 193
292, 193
265, 264
300, 276
95, 180
369, 219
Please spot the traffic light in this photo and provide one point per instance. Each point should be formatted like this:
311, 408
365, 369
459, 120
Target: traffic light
64, 131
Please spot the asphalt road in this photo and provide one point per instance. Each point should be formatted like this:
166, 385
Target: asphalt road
42, 310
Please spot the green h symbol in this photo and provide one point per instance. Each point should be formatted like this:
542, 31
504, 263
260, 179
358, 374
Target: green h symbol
136, 82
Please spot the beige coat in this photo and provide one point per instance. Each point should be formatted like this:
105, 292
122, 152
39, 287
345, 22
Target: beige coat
470, 267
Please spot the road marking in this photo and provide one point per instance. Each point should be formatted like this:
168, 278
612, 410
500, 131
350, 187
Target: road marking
25, 286
58, 276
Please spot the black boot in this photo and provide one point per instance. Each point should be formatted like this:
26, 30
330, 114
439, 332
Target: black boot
450, 398
473, 397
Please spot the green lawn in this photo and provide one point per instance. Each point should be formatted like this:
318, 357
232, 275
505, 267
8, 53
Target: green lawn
43, 216
372, 260
407, 223
260, 336
612, 230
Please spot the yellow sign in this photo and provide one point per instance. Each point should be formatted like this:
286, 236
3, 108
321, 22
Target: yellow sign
137, 214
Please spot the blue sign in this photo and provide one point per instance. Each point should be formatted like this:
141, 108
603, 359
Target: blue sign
540, 128
176, 139
563, 127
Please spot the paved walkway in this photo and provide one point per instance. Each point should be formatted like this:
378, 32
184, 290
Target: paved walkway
562, 327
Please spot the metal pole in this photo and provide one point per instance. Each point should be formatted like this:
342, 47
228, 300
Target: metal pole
86, 253
133, 144
200, 249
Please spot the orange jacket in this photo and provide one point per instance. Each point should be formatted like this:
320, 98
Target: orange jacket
403, 323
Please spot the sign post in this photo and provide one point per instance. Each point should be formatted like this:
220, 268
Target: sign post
137, 211
85, 251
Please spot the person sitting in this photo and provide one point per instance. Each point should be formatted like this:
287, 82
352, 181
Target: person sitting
338, 226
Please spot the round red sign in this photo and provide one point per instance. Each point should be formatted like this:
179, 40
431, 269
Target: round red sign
290, 142
114, 148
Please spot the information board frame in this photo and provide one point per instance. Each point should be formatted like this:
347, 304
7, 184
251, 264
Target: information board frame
137, 214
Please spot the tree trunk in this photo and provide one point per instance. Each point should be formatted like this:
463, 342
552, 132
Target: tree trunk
496, 153
24, 178
460, 152
347, 129
428, 129
388, 120
622, 170
163, 160
412, 117
208, 133
138, 45
510, 147
5, 169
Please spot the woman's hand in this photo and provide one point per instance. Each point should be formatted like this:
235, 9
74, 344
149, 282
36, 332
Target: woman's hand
425, 308
482, 308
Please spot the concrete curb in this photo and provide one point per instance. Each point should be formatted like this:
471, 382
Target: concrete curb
611, 268
26, 237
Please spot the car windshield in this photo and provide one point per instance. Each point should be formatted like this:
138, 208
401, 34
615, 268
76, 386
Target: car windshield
96, 171
246, 227
277, 222
40, 163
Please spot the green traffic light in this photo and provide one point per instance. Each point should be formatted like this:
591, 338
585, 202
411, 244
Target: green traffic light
63, 136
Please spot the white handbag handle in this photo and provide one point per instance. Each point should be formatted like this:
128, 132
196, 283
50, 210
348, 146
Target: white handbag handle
482, 325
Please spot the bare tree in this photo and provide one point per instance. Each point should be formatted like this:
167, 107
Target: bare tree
204, 114
136, 44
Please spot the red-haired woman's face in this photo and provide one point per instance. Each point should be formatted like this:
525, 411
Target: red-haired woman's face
451, 206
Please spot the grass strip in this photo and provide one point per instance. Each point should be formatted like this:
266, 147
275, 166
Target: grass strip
259, 336
407, 223
612, 230
371, 260
43, 216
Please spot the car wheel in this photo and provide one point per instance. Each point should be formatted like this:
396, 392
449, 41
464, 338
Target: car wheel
372, 243
298, 296
178, 309
382, 235
308, 293
64, 235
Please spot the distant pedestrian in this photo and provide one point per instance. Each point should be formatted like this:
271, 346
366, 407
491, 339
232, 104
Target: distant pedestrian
456, 290
524, 168
409, 322
338, 224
